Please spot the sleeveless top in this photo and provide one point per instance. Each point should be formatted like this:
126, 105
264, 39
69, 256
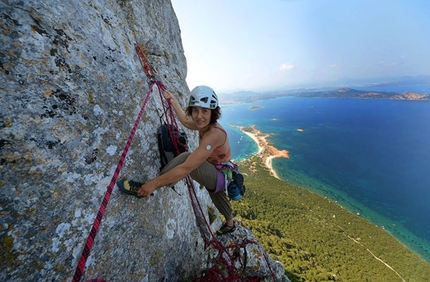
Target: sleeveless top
221, 153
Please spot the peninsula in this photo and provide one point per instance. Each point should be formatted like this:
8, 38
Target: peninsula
314, 237
266, 151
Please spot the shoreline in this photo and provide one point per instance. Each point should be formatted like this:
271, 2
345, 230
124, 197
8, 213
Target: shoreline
266, 151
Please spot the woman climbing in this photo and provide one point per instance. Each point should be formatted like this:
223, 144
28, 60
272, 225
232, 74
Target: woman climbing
202, 114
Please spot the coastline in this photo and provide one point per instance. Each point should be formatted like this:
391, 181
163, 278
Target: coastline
297, 173
266, 151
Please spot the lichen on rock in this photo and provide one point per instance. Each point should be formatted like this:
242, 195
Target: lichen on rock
71, 86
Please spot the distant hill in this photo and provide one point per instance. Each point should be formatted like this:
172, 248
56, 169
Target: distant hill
352, 93
249, 96
380, 81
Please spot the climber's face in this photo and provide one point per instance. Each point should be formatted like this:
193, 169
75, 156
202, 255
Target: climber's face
201, 117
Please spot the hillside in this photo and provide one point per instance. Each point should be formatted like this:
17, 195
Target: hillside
72, 87
318, 240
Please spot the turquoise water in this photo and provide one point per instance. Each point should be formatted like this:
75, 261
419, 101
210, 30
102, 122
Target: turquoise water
371, 156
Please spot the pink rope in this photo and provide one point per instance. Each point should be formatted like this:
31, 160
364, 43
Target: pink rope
213, 274
96, 225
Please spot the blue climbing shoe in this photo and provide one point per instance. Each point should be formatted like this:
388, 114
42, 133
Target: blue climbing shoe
129, 187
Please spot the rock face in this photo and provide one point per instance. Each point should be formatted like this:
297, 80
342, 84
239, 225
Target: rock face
71, 88
241, 250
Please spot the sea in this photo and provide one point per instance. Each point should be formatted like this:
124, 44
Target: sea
370, 156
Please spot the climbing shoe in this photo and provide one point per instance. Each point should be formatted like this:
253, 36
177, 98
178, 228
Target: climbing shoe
224, 229
129, 187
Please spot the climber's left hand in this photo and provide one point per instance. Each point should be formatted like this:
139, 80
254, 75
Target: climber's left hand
147, 189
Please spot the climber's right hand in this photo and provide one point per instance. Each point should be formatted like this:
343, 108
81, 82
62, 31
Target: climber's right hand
167, 95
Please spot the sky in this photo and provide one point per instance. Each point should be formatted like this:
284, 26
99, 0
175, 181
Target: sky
257, 45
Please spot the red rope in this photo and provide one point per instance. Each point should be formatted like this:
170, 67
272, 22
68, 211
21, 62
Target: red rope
96, 225
225, 260
149, 71
170, 118
213, 274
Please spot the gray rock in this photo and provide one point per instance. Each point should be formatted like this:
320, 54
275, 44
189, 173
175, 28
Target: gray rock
71, 88
239, 254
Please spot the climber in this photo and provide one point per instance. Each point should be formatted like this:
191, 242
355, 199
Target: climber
202, 115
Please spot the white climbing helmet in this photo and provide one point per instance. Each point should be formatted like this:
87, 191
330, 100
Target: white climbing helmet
204, 97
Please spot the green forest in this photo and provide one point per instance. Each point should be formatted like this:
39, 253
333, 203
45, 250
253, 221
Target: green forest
317, 239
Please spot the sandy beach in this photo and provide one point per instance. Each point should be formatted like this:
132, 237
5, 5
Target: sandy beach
266, 151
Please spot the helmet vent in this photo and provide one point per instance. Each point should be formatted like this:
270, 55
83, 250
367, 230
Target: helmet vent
204, 97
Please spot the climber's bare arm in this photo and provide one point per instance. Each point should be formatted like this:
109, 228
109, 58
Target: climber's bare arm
186, 120
211, 140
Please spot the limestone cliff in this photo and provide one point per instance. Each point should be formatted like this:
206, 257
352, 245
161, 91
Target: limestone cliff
71, 87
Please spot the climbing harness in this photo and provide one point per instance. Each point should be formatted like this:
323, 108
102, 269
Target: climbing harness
226, 260
233, 178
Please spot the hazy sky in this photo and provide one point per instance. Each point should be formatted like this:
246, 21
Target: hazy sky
258, 45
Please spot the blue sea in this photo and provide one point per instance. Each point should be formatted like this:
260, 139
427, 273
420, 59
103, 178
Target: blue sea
371, 156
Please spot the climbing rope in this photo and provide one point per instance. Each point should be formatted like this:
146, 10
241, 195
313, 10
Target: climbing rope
149, 71
225, 260
96, 225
